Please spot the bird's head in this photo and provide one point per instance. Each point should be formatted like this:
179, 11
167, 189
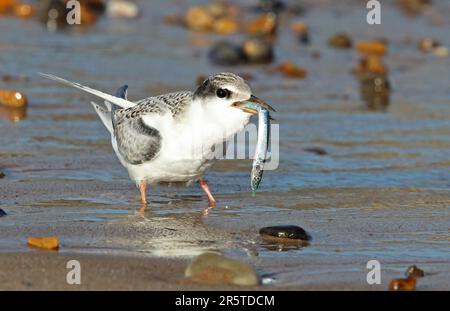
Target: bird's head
229, 90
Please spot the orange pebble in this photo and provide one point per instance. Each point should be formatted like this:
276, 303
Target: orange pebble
291, 70
198, 18
299, 27
44, 242
371, 47
88, 16
225, 26
23, 10
12, 99
264, 24
403, 284
6, 6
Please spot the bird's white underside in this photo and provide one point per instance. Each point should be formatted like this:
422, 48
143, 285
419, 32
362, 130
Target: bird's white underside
186, 153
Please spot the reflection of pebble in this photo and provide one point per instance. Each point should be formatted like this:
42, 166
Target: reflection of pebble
340, 41
414, 272
286, 232
226, 53
375, 91
53, 14
212, 268
2, 213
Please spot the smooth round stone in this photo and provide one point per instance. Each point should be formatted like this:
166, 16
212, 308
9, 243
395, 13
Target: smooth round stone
213, 268
286, 232
226, 53
2, 175
2, 213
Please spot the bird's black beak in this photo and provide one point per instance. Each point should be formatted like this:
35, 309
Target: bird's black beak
248, 105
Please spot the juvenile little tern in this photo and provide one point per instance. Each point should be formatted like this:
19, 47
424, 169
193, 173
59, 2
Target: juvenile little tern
170, 137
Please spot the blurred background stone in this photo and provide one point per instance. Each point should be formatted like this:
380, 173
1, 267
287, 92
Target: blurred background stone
340, 41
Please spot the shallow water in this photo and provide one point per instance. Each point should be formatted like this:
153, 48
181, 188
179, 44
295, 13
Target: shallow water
382, 191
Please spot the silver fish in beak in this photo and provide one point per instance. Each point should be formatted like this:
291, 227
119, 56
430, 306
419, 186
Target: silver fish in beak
255, 105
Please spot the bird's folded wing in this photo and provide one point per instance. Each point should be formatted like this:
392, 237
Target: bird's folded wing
137, 142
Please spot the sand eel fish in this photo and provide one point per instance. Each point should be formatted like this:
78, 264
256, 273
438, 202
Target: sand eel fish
170, 137
263, 141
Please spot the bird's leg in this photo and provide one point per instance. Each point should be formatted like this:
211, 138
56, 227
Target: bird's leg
143, 190
205, 187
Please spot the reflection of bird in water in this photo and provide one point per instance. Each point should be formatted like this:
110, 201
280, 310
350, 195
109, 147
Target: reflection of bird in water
170, 137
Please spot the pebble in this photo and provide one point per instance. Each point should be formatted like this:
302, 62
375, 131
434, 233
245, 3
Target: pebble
441, 51
286, 232
213, 268
6, 6
340, 41
265, 24
199, 19
225, 26
291, 70
51, 242
427, 45
257, 50
23, 10
12, 98
375, 91
414, 272
302, 31
370, 64
408, 284
2, 175
371, 48
122, 9
2, 213
226, 53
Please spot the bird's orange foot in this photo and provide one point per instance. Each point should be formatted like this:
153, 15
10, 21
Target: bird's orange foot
205, 187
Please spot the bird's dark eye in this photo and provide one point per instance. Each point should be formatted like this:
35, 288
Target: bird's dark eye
222, 93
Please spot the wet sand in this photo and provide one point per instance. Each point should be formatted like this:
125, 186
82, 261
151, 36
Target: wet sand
381, 192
